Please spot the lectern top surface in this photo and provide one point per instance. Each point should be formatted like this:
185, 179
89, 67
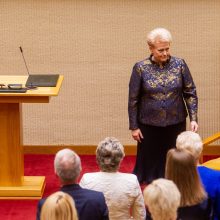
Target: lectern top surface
39, 91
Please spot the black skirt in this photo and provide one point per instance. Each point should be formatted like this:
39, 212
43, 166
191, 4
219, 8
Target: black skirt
151, 152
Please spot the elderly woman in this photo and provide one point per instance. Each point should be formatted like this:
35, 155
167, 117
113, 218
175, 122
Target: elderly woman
162, 199
59, 206
159, 87
181, 169
192, 142
121, 190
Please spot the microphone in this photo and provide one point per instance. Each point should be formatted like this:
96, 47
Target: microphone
24, 60
39, 80
30, 86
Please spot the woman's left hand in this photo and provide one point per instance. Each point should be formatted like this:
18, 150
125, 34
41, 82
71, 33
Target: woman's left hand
194, 126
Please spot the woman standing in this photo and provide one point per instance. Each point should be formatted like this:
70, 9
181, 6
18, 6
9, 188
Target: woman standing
161, 92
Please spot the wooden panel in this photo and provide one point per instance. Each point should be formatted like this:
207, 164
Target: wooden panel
86, 149
90, 149
32, 188
11, 150
211, 139
211, 150
24, 99
40, 91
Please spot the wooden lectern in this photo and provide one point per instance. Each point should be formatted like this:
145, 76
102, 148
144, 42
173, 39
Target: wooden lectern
13, 183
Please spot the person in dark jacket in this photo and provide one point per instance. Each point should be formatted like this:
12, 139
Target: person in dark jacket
90, 204
161, 92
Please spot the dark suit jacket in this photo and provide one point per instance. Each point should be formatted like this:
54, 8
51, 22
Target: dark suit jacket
90, 204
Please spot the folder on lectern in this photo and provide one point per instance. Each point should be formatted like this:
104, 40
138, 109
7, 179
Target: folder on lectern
42, 80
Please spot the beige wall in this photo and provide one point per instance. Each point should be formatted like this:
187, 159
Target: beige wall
94, 44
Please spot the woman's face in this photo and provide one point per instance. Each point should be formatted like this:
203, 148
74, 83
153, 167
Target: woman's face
160, 51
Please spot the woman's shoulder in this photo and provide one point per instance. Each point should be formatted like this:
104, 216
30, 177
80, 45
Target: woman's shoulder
143, 62
177, 59
128, 176
90, 175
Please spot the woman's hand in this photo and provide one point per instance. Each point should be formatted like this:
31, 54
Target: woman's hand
137, 135
194, 126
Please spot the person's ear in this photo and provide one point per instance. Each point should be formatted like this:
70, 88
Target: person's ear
150, 48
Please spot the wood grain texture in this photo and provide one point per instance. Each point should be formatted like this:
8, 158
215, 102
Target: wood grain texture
11, 150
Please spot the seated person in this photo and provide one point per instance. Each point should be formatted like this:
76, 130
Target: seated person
181, 169
90, 204
59, 206
192, 142
162, 198
121, 190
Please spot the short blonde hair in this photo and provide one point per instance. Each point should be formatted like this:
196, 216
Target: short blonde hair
59, 206
190, 141
109, 154
162, 198
158, 34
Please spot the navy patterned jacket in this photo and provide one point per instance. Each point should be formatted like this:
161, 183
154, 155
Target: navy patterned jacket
161, 96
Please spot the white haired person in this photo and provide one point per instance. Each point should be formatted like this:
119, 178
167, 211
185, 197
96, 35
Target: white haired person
162, 199
121, 190
159, 87
90, 204
192, 142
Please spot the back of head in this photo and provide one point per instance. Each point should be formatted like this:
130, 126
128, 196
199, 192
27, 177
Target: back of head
59, 206
109, 154
67, 166
190, 141
159, 34
182, 170
162, 198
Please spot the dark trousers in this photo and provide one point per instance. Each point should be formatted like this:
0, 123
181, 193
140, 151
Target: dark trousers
151, 152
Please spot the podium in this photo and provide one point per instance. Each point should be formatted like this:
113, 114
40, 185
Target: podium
13, 183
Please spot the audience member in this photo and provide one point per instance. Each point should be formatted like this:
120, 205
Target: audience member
121, 190
59, 206
192, 142
181, 169
162, 199
90, 204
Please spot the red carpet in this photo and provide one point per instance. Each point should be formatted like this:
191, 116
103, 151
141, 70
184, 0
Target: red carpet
42, 165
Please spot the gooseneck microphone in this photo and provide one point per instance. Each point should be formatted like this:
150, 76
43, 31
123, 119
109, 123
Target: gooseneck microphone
30, 86
39, 80
24, 60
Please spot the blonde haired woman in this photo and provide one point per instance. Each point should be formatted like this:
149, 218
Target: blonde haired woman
181, 169
59, 206
162, 199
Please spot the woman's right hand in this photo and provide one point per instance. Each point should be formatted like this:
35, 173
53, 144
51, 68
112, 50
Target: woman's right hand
137, 135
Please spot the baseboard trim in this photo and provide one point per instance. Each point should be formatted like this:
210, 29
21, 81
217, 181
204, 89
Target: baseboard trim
211, 150
85, 149
90, 149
